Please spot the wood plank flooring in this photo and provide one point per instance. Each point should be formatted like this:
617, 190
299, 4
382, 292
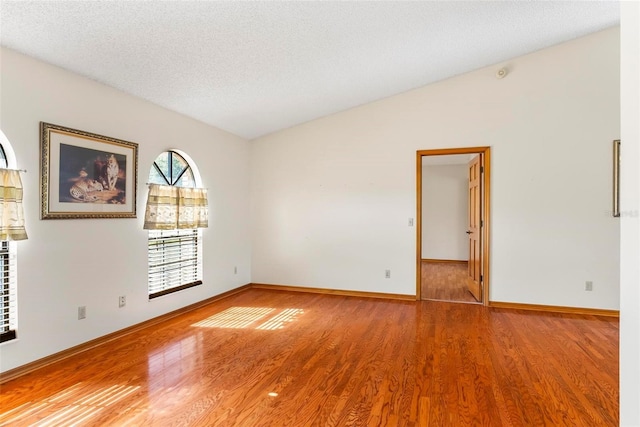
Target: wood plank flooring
445, 281
272, 358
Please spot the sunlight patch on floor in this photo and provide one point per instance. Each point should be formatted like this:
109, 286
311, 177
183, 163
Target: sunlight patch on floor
281, 319
244, 317
71, 406
235, 317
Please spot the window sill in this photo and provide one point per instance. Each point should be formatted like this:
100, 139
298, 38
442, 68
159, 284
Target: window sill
8, 337
176, 289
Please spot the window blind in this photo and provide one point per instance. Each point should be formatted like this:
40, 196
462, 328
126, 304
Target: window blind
8, 292
174, 260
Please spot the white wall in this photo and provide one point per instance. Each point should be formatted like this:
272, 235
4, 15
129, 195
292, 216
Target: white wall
630, 216
444, 212
62, 265
331, 198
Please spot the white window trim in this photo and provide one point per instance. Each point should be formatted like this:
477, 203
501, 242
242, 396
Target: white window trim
169, 271
161, 280
12, 271
10, 318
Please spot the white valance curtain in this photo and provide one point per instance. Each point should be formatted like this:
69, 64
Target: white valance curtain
170, 208
11, 212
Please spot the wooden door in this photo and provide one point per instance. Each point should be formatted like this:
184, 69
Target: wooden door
474, 279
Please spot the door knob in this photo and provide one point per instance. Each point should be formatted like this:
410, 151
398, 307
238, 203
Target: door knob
468, 232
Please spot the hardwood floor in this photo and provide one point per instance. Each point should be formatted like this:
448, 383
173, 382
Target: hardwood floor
445, 281
271, 358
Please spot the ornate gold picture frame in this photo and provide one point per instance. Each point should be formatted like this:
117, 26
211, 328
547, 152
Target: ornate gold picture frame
616, 178
84, 175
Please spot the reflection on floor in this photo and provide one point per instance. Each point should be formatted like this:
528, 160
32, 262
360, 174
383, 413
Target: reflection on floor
445, 281
263, 358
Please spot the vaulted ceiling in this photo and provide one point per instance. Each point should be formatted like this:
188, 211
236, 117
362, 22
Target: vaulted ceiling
252, 68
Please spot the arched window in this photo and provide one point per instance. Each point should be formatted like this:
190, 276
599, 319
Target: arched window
175, 251
8, 280
3, 158
170, 168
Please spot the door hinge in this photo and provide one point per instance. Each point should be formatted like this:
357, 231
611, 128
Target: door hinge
481, 223
481, 169
481, 278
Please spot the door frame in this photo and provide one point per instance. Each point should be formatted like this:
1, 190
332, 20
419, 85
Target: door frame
485, 161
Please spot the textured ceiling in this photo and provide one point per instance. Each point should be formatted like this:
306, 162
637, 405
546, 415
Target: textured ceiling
252, 68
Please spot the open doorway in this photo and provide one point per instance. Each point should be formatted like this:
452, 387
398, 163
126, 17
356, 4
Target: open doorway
453, 225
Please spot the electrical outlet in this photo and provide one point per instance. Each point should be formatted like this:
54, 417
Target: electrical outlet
588, 285
122, 301
410, 222
82, 312
387, 274
235, 270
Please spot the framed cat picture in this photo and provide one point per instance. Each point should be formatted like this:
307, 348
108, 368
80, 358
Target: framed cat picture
84, 175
